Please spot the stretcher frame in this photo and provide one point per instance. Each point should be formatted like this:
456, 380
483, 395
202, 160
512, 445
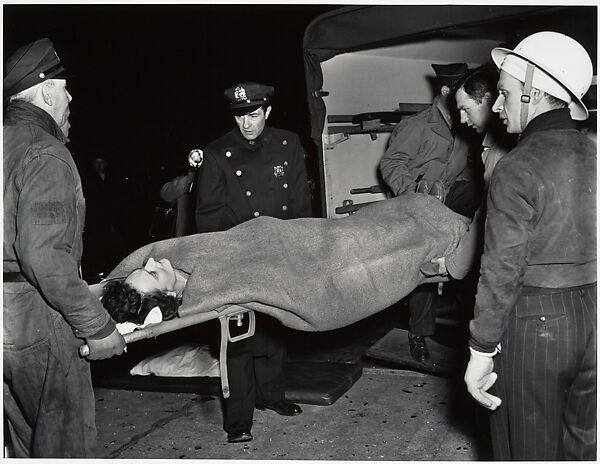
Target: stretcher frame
227, 314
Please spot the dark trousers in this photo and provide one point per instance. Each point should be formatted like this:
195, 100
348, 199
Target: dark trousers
463, 198
255, 367
547, 379
48, 397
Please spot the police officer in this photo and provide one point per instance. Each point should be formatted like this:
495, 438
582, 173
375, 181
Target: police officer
47, 310
253, 170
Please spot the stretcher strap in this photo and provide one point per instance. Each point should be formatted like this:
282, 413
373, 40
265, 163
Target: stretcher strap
526, 97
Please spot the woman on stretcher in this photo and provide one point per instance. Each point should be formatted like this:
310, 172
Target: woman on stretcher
313, 274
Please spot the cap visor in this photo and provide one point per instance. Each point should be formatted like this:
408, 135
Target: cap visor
240, 110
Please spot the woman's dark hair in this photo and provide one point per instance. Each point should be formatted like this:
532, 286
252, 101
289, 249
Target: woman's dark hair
126, 304
479, 81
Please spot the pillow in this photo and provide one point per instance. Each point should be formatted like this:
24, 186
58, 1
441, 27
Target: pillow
183, 361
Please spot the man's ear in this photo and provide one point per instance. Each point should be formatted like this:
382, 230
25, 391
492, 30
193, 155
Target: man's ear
536, 95
445, 90
47, 94
267, 112
487, 98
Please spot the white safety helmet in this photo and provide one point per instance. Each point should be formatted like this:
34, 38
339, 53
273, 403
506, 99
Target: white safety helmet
558, 59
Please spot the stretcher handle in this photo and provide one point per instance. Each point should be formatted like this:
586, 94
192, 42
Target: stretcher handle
155, 330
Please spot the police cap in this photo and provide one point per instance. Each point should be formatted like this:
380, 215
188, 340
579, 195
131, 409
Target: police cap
449, 74
245, 97
31, 64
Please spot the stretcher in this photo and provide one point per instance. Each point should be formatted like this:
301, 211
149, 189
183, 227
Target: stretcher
312, 274
225, 316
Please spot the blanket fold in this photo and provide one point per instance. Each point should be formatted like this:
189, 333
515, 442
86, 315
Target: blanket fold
313, 274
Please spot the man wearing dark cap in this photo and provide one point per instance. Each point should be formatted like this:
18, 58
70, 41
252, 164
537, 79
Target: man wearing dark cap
48, 309
427, 154
253, 170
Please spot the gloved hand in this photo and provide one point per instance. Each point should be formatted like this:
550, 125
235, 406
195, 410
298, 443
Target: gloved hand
480, 377
107, 347
436, 267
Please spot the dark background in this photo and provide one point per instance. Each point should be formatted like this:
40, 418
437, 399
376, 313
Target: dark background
148, 85
149, 79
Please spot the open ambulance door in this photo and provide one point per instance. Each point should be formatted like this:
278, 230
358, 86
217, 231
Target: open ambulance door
369, 66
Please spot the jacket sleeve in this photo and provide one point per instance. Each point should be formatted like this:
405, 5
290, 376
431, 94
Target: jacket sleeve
176, 188
511, 215
302, 206
394, 165
47, 228
211, 195
462, 260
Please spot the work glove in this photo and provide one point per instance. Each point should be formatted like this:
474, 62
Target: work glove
480, 377
107, 347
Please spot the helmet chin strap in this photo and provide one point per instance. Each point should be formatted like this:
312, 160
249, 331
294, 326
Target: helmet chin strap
526, 96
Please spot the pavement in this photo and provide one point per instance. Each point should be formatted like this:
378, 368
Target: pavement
389, 414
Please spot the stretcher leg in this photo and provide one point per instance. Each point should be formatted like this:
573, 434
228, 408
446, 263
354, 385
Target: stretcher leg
226, 337
232, 312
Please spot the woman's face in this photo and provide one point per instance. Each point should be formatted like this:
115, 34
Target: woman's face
154, 276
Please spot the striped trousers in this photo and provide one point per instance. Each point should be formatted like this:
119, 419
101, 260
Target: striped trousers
547, 379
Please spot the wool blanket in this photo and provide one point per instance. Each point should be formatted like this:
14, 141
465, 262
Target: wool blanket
313, 274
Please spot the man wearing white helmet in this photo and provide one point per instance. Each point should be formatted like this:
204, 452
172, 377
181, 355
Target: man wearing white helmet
533, 336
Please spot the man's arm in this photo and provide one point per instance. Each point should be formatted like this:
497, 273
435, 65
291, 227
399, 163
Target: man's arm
180, 185
47, 230
510, 220
404, 146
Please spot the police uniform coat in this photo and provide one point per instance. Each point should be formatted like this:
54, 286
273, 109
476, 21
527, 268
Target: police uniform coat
240, 180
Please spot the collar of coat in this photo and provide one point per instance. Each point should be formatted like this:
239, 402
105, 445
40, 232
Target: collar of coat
20, 112
254, 145
439, 125
550, 120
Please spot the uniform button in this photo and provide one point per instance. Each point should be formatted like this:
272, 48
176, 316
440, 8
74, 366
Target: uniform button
285, 186
284, 207
256, 214
248, 193
228, 154
284, 142
285, 163
542, 318
238, 173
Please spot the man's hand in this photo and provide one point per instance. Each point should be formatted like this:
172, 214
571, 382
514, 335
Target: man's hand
195, 158
106, 347
441, 262
479, 377
436, 267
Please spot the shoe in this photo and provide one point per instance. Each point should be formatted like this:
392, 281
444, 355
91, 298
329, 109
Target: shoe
418, 348
239, 437
282, 407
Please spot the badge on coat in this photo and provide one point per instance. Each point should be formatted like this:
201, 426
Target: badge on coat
278, 171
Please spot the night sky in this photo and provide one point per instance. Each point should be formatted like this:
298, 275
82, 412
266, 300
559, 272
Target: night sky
148, 79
